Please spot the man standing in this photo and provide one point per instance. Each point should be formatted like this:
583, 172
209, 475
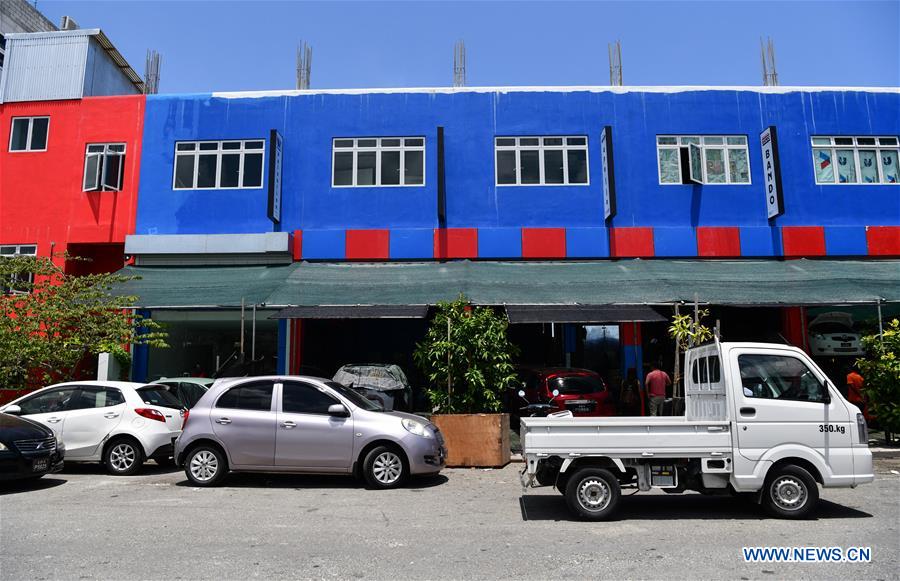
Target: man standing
657, 381
855, 390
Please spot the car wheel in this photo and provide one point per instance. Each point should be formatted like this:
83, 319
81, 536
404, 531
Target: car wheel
790, 492
384, 468
205, 466
123, 457
592, 493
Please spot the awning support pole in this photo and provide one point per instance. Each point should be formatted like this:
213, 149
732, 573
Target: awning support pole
677, 359
253, 336
880, 321
242, 327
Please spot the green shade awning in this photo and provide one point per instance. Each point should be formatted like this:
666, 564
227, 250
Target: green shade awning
622, 282
202, 286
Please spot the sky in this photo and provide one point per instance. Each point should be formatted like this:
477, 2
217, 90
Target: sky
232, 45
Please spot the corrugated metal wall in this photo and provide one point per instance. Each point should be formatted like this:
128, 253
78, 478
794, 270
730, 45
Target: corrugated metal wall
44, 69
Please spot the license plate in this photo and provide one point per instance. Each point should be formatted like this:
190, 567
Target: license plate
581, 408
40, 465
845, 344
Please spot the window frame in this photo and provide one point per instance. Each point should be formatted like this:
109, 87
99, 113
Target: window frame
101, 166
564, 147
856, 147
4, 289
823, 384
28, 138
286, 383
242, 151
378, 148
272, 399
684, 141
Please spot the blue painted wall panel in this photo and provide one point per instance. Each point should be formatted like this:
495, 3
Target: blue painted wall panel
846, 241
410, 244
500, 243
324, 244
675, 242
472, 119
761, 241
587, 243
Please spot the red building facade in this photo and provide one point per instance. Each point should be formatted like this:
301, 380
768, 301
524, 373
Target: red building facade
79, 193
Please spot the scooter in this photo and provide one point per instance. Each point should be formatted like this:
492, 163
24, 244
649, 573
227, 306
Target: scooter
542, 410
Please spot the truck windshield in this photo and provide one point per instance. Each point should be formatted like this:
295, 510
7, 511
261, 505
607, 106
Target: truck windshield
576, 384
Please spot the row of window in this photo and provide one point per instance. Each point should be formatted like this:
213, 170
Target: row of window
519, 161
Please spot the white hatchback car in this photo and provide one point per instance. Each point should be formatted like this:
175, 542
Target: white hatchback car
118, 423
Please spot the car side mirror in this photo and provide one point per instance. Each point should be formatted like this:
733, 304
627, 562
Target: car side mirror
521, 393
338, 411
12, 410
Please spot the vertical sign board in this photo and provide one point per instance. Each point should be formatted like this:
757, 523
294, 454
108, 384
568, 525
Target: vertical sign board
768, 140
275, 162
609, 178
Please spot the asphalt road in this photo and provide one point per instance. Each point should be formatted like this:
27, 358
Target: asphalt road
466, 524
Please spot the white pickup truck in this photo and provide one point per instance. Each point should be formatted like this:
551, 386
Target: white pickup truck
760, 418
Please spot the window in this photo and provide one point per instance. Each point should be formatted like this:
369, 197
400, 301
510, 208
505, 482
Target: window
301, 398
253, 396
703, 159
29, 134
856, 160
378, 161
103, 166
96, 397
706, 370
201, 165
161, 396
541, 161
56, 400
780, 377
17, 282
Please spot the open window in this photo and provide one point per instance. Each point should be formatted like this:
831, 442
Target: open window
706, 159
103, 167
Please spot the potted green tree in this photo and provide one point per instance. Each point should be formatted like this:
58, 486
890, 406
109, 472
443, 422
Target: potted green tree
467, 359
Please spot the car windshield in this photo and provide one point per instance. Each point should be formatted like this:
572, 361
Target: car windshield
576, 384
159, 395
830, 327
357, 399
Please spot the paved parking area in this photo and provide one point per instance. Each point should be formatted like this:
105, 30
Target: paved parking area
466, 524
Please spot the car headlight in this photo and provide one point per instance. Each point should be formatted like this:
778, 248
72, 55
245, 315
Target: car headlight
3, 447
417, 428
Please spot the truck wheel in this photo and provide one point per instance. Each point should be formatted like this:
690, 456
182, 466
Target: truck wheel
790, 492
592, 493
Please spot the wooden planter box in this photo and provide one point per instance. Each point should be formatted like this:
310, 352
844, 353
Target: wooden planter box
475, 440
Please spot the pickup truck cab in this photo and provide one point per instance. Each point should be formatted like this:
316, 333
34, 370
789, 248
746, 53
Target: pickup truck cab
760, 418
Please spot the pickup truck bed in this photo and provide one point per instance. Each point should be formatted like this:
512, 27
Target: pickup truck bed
657, 437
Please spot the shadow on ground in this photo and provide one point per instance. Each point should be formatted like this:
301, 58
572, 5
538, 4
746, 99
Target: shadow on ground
19, 486
309, 481
148, 469
688, 506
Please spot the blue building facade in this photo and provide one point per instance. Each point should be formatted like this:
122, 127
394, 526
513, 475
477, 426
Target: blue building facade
487, 220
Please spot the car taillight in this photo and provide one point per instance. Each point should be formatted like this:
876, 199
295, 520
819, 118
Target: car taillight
863, 429
187, 414
150, 414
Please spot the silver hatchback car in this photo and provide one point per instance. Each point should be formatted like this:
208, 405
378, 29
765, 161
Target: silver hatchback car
303, 424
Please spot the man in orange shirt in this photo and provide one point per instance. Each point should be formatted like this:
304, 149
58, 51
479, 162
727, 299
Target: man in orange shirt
656, 382
854, 389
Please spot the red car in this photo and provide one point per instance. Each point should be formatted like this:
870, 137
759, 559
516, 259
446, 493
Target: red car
581, 391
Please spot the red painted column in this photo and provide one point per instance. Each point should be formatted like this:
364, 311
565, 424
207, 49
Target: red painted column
793, 326
632, 355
